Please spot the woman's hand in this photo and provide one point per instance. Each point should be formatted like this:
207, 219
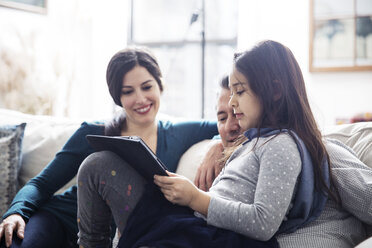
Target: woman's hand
11, 224
180, 190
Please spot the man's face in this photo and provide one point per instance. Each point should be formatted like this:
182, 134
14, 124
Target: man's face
228, 125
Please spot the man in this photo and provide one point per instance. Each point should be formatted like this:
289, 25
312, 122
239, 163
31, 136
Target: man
229, 130
228, 125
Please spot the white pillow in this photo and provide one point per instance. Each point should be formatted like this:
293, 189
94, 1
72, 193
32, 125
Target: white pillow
40, 145
192, 158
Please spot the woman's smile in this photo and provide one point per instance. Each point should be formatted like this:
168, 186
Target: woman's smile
144, 110
140, 97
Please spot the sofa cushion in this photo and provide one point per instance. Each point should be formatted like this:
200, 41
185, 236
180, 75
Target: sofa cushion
357, 136
10, 161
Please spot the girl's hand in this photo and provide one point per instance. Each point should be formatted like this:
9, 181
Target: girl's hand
176, 188
10, 224
180, 190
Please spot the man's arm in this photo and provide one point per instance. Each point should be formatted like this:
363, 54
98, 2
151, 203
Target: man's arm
210, 166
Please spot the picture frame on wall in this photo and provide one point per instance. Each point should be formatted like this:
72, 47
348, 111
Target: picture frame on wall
340, 35
36, 6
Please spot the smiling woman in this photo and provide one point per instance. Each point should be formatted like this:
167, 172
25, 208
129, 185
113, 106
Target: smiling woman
134, 82
140, 99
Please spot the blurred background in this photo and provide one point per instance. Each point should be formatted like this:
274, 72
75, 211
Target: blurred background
54, 53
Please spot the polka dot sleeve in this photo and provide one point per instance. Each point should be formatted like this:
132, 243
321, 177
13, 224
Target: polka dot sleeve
253, 194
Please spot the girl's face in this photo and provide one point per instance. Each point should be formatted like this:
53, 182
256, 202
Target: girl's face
246, 105
140, 96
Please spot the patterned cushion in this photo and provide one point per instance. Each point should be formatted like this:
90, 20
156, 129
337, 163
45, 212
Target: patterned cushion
10, 161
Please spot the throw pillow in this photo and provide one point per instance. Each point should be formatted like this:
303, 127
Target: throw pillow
10, 161
192, 158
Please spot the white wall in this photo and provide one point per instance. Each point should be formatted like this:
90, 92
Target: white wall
333, 94
75, 40
72, 45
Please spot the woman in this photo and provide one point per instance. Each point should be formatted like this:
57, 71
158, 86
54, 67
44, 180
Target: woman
134, 82
275, 186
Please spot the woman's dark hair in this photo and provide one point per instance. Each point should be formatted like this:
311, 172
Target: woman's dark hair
120, 64
276, 79
123, 62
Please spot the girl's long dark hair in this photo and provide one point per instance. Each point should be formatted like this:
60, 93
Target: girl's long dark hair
120, 64
276, 79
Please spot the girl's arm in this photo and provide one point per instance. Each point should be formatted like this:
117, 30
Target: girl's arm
180, 190
254, 193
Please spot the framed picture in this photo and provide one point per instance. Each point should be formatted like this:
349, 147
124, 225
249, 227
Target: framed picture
340, 35
37, 6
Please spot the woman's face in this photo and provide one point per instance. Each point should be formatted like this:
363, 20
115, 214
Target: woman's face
140, 96
246, 105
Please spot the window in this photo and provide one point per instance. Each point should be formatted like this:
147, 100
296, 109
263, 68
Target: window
340, 35
194, 42
38, 6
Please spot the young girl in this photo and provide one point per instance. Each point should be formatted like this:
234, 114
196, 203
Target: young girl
275, 187
277, 181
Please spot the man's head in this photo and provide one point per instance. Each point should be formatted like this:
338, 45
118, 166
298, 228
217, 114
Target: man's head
228, 125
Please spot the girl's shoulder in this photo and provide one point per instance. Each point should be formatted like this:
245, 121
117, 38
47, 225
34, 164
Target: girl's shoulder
279, 137
282, 141
283, 137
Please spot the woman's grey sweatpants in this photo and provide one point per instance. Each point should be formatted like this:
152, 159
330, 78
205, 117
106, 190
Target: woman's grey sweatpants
107, 186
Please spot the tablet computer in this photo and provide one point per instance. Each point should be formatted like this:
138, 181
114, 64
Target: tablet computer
133, 150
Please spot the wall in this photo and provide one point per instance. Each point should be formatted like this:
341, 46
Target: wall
70, 47
73, 43
332, 95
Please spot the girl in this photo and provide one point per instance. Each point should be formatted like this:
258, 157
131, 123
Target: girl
134, 82
276, 182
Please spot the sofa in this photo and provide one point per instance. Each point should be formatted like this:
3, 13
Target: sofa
26, 149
